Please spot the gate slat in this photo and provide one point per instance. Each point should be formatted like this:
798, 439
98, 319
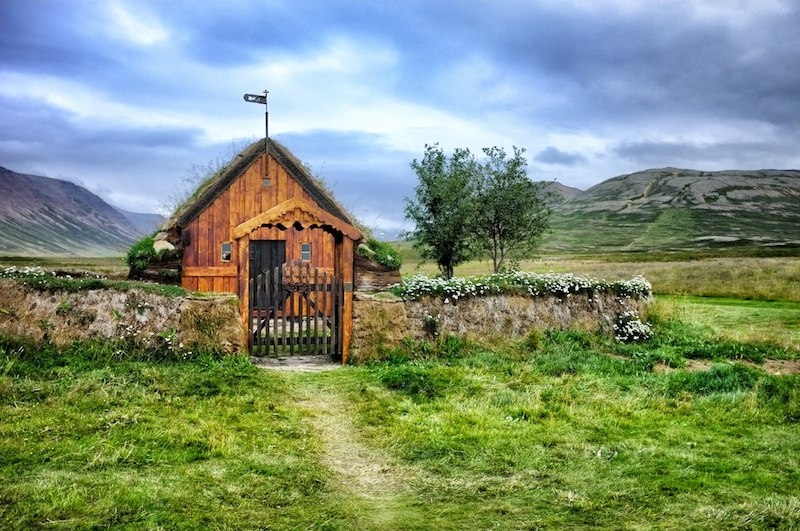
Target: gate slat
292, 313
251, 309
340, 348
326, 307
273, 296
263, 311
256, 315
304, 309
283, 304
309, 299
334, 313
316, 309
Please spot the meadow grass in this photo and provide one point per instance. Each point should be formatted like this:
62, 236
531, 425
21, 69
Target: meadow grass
113, 267
204, 444
746, 321
555, 433
558, 430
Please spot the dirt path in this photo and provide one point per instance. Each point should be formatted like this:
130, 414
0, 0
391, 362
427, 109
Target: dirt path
363, 471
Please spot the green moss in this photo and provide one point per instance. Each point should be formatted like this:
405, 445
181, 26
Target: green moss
382, 253
141, 254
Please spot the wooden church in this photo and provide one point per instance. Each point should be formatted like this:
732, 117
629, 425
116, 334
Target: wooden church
268, 231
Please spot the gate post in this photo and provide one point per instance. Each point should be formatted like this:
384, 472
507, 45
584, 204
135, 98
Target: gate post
346, 267
243, 267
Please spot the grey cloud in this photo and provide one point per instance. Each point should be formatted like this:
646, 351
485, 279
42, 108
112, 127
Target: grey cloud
740, 154
553, 155
659, 61
604, 74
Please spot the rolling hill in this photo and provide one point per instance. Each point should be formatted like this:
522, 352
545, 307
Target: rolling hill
657, 209
672, 208
555, 192
40, 216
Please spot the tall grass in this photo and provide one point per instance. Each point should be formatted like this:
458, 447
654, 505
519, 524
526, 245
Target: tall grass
743, 321
108, 267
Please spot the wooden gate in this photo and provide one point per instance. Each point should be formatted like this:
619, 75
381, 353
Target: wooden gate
296, 310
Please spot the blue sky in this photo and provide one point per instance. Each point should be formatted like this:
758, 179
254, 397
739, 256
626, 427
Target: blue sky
124, 97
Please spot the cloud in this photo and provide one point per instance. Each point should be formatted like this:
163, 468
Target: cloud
709, 155
141, 28
126, 96
553, 155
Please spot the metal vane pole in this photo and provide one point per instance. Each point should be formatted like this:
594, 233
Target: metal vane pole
255, 98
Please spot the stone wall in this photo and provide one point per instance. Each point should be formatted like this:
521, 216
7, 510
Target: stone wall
382, 320
196, 323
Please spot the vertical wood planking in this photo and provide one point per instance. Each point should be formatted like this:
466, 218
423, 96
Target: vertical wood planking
245, 198
276, 303
190, 253
210, 243
316, 311
199, 244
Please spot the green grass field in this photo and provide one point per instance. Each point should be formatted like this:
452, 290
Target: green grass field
562, 430
741, 320
670, 229
110, 267
131, 445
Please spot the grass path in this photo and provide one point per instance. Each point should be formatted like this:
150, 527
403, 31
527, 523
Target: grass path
378, 484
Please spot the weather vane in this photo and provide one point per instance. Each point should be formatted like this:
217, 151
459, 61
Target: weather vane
256, 98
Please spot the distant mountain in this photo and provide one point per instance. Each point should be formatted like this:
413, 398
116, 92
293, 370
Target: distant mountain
559, 191
40, 216
142, 222
672, 208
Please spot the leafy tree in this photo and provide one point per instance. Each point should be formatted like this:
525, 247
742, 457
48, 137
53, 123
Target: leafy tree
443, 207
511, 214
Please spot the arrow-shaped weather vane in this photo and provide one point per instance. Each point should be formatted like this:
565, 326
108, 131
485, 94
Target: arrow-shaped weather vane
256, 98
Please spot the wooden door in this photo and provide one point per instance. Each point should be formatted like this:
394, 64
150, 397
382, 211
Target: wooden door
266, 255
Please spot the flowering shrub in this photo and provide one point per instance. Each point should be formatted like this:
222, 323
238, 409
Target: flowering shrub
150, 345
516, 283
430, 324
628, 327
37, 277
25, 272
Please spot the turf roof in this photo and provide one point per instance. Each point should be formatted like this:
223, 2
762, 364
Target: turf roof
208, 191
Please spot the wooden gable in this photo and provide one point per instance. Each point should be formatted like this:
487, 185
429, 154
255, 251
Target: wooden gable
241, 196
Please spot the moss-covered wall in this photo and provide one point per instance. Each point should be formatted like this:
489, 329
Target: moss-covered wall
61, 317
382, 320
